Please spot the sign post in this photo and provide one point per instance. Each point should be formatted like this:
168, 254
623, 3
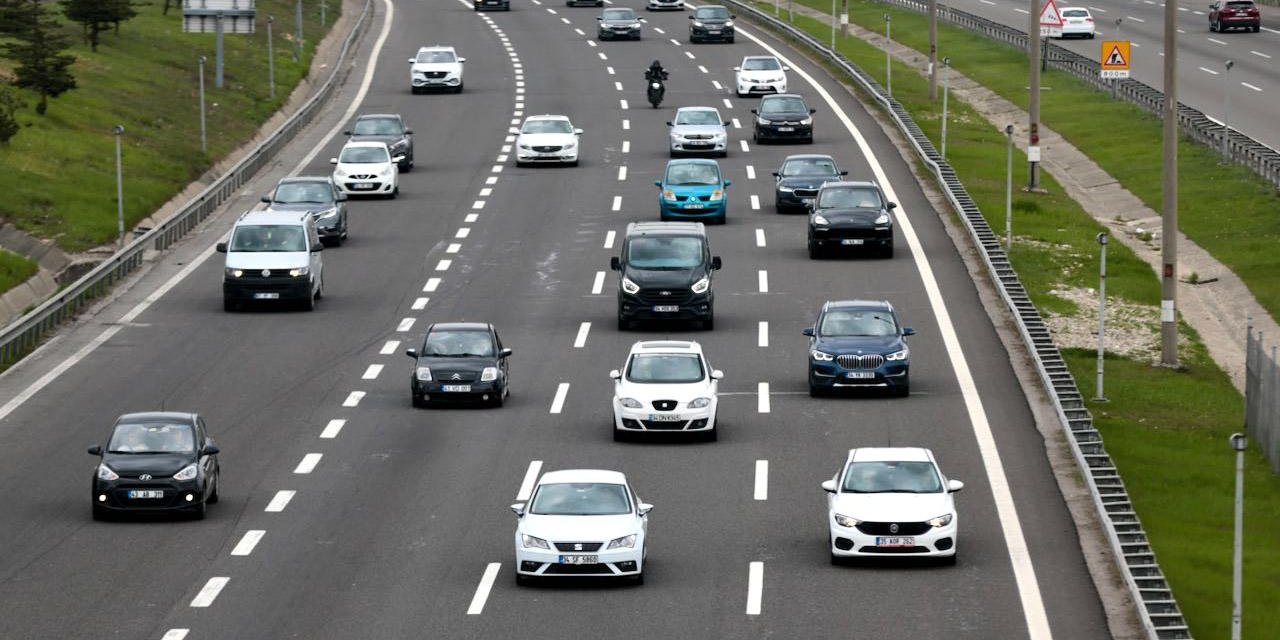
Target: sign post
217, 16
1114, 60
1050, 20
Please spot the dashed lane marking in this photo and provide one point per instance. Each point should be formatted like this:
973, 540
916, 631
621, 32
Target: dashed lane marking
390, 347
248, 542
598, 284
372, 372
608, 239
755, 587
308, 463
280, 501
762, 398
755, 202
762, 339
557, 403
580, 340
751, 172
617, 203
443, 265
760, 237
406, 324
209, 592
530, 478
432, 285
486, 584
353, 399
332, 429
762, 480
763, 277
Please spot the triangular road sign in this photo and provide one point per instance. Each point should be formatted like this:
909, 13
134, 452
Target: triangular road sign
1049, 15
1115, 58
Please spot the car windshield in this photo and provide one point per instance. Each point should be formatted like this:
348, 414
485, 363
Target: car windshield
678, 174
784, 104
761, 64
546, 126
458, 344
711, 13
664, 253
580, 499
891, 477
436, 56
152, 437
303, 193
377, 127
364, 155
665, 368
861, 322
809, 167
268, 237
1075, 13
698, 117
618, 14
849, 197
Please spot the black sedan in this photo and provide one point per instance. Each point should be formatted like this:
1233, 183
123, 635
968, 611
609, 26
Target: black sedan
783, 116
318, 196
851, 215
159, 461
799, 178
388, 128
618, 23
459, 361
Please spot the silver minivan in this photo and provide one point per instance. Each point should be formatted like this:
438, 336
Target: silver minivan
273, 257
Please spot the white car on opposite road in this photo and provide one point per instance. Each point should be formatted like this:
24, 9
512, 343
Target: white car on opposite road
1077, 22
760, 74
891, 501
366, 168
665, 386
547, 139
581, 522
435, 68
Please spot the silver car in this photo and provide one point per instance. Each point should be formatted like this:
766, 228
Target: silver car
699, 130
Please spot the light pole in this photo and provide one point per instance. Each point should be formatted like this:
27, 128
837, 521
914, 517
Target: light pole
323, 6
946, 86
1102, 313
1239, 442
1169, 193
1116, 81
204, 143
888, 57
833, 26
271, 58
118, 130
1226, 111
1008, 192
217, 62
297, 31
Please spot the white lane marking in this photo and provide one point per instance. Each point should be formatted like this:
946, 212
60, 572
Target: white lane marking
487, 191
1209, 71
497, 168
617, 85
1249, 86
602, 55
988, 2
1179, 9
617, 203
332, 429
1022, 11
608, 239
1216, 41
751, 172
308, 463
626, 124
728, 104
745, 148
175, 634
626, 146
372, 372
478, 204
353, 399
551, 11
760, 237
622, 172
471, 217
1134, 44
580, 32
453, 248
1270, 30
492, 179
716, 84
432, 285
565, 20
463, 232
762, 398
689, 54
443, 265
511, 138
762, 339
610, 70
1015, 542
703, 69
1260, 54
755, 202
591, 43
581, 340
1139, 20
280, 501
557, 403
598, 285
486, 584
659, 30
1179, 31
390, 347
1099, 10
622, 104
1199, 13
763, 277
755, 587
737, 124
762, 480
675, 42
209, 592
503, 157
406, 324
530, 477
248, 542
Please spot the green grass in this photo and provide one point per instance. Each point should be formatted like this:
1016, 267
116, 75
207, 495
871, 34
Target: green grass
58, 172
14, 270
1166, 429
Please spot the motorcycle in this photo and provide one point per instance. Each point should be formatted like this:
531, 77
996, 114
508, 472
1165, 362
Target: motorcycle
655, 92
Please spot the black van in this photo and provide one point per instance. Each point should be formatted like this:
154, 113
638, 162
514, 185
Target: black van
665, 274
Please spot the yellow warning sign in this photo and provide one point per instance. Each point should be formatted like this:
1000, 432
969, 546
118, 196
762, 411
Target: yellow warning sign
1114, 61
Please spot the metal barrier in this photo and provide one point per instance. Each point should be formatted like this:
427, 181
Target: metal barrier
1262, 396
26, 333
1154, 601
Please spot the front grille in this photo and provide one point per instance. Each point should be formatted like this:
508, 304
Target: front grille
693, 198
546, 149
446, 377
578, 570
665, 405
904, 528
659, 425
698, 136
578, 546
806, 193
860, 362
272, 276
362, 176
435, 74
655, 296
891, 550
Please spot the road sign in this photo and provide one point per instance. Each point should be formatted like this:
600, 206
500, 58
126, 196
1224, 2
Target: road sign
201, 16
1050, 20
1114, 60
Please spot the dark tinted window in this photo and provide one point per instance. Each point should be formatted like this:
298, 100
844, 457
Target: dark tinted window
664, 252
860, 322
377, 127
809, 167
458, 344
618, 14
849, 197
303, 193
152, 437
580, 499
787, 104
891, 477
711, 13
269, 237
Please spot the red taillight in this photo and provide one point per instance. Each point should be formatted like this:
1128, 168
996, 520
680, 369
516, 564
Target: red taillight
1088, 19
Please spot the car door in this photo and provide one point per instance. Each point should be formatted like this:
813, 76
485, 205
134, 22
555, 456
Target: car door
316, 262
502, 362
1214, 8
208, 463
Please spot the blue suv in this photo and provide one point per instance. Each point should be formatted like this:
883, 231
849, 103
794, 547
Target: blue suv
693, 189
858, 343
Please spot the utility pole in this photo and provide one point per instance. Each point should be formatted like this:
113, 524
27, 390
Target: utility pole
833, 25
1102, 314
1169, 213
1239, 442
1008, 192
1226, 112
118, 130
933, 50
1033, 105
946, 85
888, 57
323, 6
1115, 82
204, 145
217, 58
271, 58
844, 18
297, 30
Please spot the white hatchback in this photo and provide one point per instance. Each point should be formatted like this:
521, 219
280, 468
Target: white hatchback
581, 522
1077, 22
891, 501
547, 139
366, 168
665, 386
760, 74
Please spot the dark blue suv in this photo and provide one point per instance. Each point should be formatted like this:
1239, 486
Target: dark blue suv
858, 343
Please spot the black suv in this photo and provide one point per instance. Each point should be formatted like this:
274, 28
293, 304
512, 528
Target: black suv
851, 215
784, 116
459, 361
711, 23
858, 344
317, 196
800, 177
388, 128
665, 274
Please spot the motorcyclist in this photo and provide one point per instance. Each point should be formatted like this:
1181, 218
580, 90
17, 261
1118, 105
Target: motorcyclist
654, 75
655, 72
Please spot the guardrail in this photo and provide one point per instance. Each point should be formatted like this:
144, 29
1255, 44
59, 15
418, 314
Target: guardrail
26, 333
1153, 599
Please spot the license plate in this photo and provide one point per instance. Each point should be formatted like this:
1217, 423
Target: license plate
362, 185
579, 559
693, 206
786, 128
664, 417
895, 542
860, 375
807, 200
447, 388
713, 31
266, 296
146, 493
851, 241
666, 308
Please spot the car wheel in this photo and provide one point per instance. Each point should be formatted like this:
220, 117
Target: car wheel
950, 561
320, 289
498, 400
815, 252
459, 89
730, 40
1256, 28
213, 495
418, 402
413, 91
309, 304
619, 435
574, 163
1212, 26
887, 252
815, 391
710, 436
709, 324
724, 154
395, 192
903, 389
623, 324
198, 512
638, 579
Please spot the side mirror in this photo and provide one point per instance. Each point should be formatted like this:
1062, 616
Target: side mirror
954, 486
398, 159
657, 183
808, 331
725, 123
668, 124
333, 161
210, 450
786, 68
728, 182
715, 263
412, 353
812, 111
412, 60
408, 132
776, 174
317, 248
599, 18
504, 353
891, 206
615, 374
690, 17
615, 264
347, 132
642, 20
737, 68
644, 509
753, 111
221, 247
717, 374
844, 173
95, 450
829, 486
461, 60
577, 132
341, 197
518, 509
908, 331
266, 199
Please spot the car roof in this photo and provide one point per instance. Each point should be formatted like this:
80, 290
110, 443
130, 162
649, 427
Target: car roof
890, 454
808, 156
760, 57
324, 179
583, 475
436, 47
365, 143
849, 184
692, 161
156, 416
367, 116
546, 116
697, 109
460, 326
857, 304
272, 216
666, 228
775, 96
666, 346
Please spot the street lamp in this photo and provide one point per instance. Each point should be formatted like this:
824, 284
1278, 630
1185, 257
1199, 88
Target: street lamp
118, 130
888, 57
833, 26
946, 85
1226, 110
1008, 192
271, 59
1239, 442
204, 144
1102, 313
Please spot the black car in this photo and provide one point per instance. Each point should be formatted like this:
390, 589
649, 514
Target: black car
590, 3
317, 196
711, 23
159, 461
388, 128
851, 215
783, 116
459, 361
482, 5
858, 344
665, 274
798, 179
618, 23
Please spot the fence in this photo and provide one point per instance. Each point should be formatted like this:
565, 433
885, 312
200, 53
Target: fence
1262, 396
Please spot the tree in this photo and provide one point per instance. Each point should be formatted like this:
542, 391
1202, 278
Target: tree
11, 17
39, 50
9, 104
97, 16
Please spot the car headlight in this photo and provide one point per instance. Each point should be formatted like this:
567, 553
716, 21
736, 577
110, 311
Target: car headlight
785, 189
327, 213
533, 542
846, 521
719, 135
385, 172
299, 272
419, 75
806, 121
821, 356
701, 286
728, 23
423, 374
761, 121
188, 472
899, 355
526, 147
571, 145
629, 286
668, 194
489, 374
234, 273
697, 23
625, 542
339, 173
700, 403
105, 473
941, 521
883, 219
630, 403
818, 219
717, 195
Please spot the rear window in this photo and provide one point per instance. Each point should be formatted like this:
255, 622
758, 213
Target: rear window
1240, 5
1075, 13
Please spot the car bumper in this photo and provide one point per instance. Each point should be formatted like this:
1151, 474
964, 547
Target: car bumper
380, 186
703, 33
761, 88
681, 210
476, 391
936, 542
606, 34
523, 155
665, 5
482, 5
693, 307
612, 562
784, 132
690, 420
1239, 23
853, 238
793, 200
829, 375
435, 83
267, 289
682, 146
114, 495
1077, 30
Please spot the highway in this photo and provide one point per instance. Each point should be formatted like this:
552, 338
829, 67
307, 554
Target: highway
346, 513
1203, 81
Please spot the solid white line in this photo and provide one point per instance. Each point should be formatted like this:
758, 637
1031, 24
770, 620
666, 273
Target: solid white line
1099, 10
280, 501
760, 237
609, 237
557, 403
390, 347
617, 203
1216, 41
308, 463
530, 477
626, 124
703, 69
463, 232
432, 284
372, 372
210, 591
1249, 86
598, 285
1270, 30
737, 124
988, 2
581, 341
762, 480
728, 104
444, 265
622, 104
716, 84
755, 587
175, 634
745, 148
763, 277
453, 248
1207, 70
617, 85
626, 146
751, 172
248, 542
763, 339
353, 399
762, 398
622, 172
486, 584
420, 303
405, 324
1260, 54
332, 429
755, 202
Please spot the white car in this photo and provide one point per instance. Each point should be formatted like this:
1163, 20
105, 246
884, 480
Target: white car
435, 68
581, 522
760, 74
891, 501
666, 386
366, 168
547, 139
698, 130
1077, 21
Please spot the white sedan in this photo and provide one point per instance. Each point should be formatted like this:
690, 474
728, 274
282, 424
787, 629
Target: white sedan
760, 74
891, 501
665, 386
547, 139
581, 522
366, 168
1077, 22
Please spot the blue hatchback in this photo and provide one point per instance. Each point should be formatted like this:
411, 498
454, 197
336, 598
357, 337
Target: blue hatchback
693, 189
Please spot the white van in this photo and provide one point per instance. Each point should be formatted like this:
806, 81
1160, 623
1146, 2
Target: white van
273, 256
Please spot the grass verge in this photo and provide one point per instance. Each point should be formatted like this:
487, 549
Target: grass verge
14, 270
